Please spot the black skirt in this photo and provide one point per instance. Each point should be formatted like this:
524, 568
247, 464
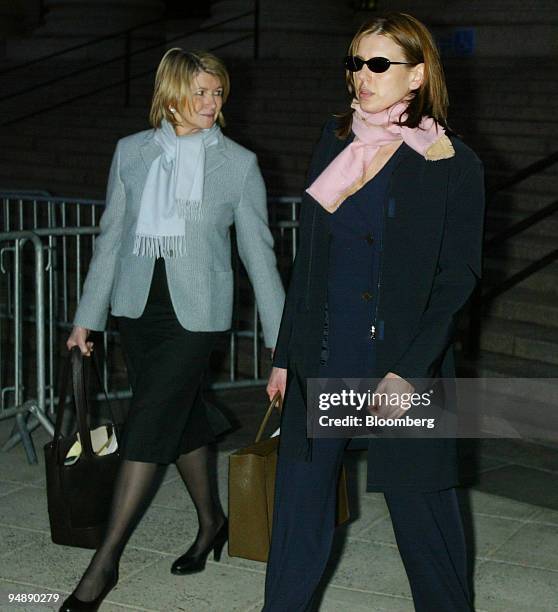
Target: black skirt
166, 368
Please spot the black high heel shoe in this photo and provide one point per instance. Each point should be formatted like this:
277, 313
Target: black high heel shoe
73, 604
190, 564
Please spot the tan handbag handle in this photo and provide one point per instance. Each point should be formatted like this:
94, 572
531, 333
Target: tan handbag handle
276, 402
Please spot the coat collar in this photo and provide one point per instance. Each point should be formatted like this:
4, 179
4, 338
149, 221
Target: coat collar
215, 156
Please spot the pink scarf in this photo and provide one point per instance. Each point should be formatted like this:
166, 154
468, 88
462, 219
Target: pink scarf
377, 137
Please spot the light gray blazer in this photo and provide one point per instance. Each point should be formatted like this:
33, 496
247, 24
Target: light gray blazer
201, 282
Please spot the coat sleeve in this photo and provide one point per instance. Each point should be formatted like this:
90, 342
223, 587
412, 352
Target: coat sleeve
255, 247
458, 270
280, 356
296, 285
93, 307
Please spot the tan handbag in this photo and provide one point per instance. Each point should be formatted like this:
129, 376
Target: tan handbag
251, 492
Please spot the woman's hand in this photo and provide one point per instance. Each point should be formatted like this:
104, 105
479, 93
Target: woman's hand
78, 337
391, 384
277, 382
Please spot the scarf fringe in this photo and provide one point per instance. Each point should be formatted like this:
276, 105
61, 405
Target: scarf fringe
159, 246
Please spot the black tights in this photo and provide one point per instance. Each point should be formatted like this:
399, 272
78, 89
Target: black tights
195, 470
135, 486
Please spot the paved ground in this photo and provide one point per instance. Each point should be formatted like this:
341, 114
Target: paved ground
510, 509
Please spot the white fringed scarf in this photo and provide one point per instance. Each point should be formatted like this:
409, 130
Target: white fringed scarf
173, 191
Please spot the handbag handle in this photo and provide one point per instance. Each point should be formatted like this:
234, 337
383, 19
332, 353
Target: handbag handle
80, 395
276, 402
79, 386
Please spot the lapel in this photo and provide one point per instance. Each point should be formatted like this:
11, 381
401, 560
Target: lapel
215, 156
413, 224
406, 155
149, 149
417, 187
406, 180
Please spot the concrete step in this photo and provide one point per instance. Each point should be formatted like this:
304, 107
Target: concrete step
496, 365
516, 378
498, 220
519, 201
520, 339
512, 161
539, 184
523, 246
527, 305
497, 269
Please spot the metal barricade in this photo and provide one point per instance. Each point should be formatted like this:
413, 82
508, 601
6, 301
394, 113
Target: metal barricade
63, 231
30, 211
24, 402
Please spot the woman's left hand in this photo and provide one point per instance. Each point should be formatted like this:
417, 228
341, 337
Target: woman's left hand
277, 382
391, 385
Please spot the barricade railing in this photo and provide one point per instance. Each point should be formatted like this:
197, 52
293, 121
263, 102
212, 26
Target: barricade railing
42, 295
25, 402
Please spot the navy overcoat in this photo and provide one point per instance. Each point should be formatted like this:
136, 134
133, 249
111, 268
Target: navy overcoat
430, 265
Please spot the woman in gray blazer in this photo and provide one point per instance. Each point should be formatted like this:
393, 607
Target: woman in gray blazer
162, 265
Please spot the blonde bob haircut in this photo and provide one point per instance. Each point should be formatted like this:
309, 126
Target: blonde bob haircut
175, 82
418, 46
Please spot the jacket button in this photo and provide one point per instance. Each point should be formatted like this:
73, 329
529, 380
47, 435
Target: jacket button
367, 296
369, 238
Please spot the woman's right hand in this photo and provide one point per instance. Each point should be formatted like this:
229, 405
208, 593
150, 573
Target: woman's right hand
78, 337
277, 382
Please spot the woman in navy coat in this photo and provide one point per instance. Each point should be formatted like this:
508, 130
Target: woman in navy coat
390, 251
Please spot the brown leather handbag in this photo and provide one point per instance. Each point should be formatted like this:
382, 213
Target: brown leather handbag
81, 468
251, 493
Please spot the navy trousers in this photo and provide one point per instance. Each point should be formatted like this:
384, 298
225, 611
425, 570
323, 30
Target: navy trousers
427, 527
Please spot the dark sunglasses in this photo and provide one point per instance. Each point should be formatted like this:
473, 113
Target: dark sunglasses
375, 64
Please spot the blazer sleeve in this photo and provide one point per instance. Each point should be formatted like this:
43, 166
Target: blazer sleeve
458, 271
255, 247
93, 307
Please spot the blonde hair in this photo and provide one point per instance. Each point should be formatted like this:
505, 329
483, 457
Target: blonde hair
174, 82
418, 46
